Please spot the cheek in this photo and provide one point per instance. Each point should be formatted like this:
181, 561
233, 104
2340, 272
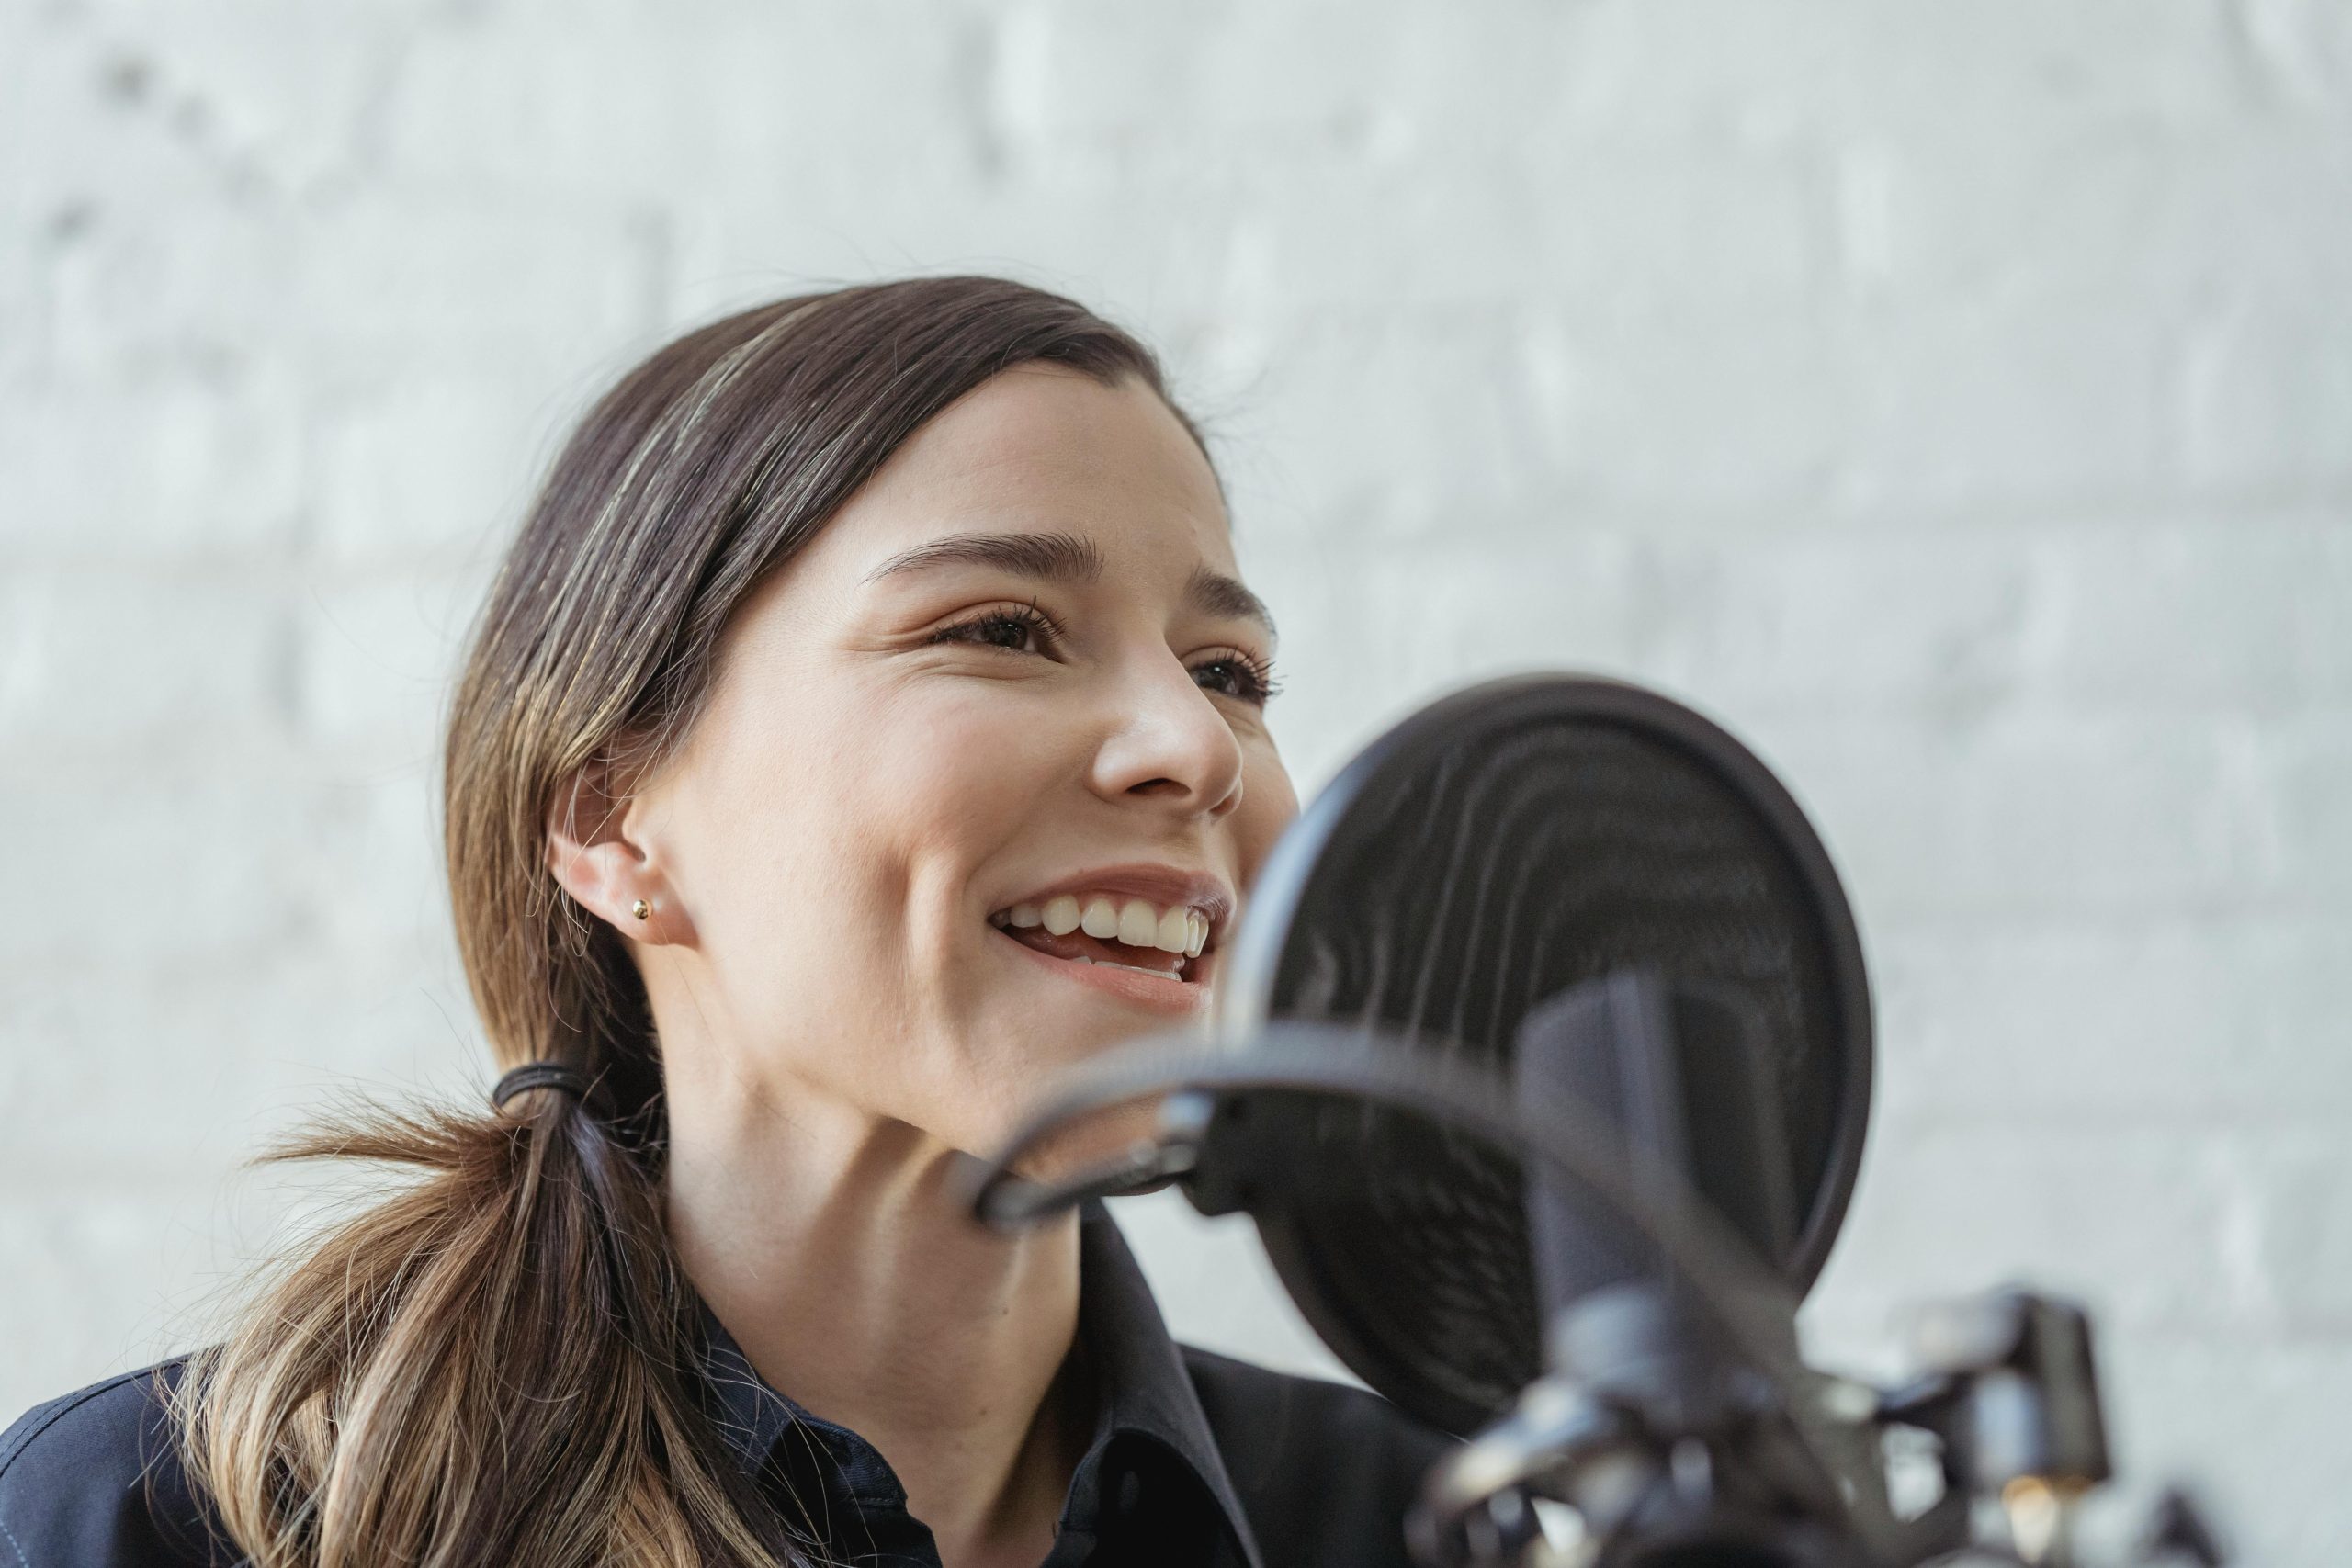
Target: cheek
851, 833
1269, 805
953, 777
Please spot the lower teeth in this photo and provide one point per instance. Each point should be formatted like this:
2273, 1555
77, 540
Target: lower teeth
1115, 963
1176, 973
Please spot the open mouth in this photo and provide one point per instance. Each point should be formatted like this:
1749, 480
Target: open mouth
1169, 942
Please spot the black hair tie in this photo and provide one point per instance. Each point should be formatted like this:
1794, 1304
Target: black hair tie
539, 1074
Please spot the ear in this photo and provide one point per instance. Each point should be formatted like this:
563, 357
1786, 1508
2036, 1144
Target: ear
597, 848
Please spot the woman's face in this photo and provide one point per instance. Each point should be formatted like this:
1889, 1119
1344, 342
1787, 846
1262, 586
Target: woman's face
1014, 683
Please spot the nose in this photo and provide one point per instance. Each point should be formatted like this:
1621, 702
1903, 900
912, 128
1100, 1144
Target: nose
1166, 741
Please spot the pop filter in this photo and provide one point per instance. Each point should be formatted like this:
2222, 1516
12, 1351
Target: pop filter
1498, 849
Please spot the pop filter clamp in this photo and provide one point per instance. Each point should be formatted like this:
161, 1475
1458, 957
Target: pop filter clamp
1564, 1202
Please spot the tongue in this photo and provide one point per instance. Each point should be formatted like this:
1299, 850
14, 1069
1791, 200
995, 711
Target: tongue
1077, 944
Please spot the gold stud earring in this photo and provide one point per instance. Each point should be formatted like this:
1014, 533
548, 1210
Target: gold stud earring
641, 909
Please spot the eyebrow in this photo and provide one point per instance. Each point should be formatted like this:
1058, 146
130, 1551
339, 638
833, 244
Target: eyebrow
1066, 557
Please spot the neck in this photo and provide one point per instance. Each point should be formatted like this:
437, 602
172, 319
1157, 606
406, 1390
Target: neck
825, 1240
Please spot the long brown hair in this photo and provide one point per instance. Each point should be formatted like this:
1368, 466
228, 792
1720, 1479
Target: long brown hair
495, 1365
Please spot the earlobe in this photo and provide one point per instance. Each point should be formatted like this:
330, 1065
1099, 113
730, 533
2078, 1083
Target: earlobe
613, 880
596, 858
656, 923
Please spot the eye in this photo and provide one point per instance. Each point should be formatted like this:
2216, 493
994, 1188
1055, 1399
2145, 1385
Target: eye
1008, 626
1236, 674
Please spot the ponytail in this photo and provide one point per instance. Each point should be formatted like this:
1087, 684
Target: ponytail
495, 1366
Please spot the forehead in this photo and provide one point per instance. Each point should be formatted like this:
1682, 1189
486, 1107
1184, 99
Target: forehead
1041, 448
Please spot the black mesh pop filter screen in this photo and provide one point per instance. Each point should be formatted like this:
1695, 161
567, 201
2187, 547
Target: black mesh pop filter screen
1498, 847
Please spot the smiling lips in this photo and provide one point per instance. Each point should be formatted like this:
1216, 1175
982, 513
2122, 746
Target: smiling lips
1122, 932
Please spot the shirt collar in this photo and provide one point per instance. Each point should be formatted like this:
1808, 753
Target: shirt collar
1140, 1376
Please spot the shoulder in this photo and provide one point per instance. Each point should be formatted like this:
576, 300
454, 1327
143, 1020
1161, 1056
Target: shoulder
94, 1477
1309, 1457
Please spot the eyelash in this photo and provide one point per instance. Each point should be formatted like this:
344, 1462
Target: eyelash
1259, 674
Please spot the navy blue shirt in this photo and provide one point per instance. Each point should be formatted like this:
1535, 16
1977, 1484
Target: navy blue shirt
1197, 1459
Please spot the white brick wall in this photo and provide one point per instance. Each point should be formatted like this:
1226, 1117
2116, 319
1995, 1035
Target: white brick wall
1953, 396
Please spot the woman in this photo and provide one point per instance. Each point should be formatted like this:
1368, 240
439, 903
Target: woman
868, 722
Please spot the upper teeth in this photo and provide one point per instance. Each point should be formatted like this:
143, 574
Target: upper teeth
1134, 921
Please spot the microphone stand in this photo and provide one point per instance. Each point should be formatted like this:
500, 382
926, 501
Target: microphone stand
1675, 1426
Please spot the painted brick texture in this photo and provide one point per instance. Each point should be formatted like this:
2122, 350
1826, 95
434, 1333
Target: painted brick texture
1952, 396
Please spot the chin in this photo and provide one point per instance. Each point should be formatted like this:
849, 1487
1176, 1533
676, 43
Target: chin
1097, 1140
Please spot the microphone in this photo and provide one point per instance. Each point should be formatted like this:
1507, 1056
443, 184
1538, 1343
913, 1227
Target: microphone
1541, 1061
